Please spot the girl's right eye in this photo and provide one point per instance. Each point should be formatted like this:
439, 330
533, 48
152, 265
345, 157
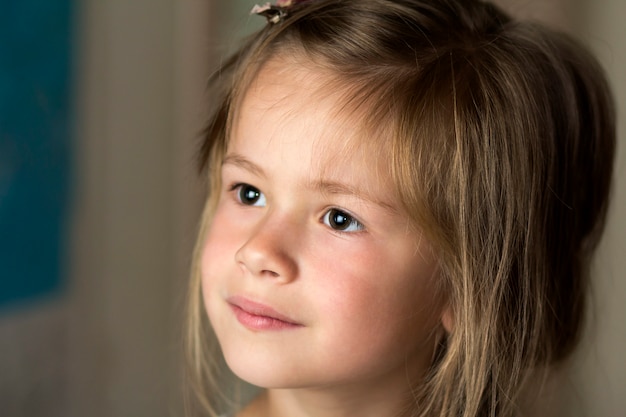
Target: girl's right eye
249, 195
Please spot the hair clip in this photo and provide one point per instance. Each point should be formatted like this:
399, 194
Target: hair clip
274, 13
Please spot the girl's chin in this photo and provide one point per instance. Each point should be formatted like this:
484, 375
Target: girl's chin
264, 375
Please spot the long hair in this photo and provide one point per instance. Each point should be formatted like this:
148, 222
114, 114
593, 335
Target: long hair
501, 150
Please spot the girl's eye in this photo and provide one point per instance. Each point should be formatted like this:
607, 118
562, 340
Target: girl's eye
342, 221
250, 196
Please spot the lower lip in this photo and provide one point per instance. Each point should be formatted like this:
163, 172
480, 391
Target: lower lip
255, 322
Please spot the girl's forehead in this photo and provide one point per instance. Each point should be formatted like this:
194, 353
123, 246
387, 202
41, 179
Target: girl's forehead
281, 83
312, 101
303, 112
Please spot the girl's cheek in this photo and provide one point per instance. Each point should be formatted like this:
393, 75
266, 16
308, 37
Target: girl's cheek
216, 246
345, 273
226, 234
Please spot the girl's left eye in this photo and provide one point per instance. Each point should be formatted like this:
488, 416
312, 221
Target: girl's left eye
342, 221
249, 195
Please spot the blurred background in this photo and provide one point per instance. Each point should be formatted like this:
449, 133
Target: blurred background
101, 109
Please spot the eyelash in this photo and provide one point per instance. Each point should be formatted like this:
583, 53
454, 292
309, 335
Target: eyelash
332, 215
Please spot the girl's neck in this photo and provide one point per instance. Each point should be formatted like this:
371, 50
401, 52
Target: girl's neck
379, 402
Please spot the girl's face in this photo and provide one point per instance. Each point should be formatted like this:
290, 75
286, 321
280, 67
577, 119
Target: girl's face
311, 273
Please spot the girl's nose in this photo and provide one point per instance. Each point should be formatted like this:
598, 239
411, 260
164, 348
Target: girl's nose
269, 253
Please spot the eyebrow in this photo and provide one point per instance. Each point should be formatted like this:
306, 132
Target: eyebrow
322, 186
244, 163
339, 188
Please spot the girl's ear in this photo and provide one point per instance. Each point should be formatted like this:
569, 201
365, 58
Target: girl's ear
447, 318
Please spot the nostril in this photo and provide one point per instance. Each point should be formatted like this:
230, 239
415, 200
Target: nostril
271, 273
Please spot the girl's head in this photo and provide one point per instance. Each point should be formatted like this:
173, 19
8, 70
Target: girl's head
406, 185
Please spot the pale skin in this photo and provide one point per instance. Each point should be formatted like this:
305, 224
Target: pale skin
313, 232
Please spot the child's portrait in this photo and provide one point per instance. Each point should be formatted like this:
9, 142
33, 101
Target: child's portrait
404, 198
312, 208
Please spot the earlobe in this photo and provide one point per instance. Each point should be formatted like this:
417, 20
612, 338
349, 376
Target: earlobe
447, 319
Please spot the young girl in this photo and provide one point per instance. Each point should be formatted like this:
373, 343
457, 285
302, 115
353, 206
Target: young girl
404, 199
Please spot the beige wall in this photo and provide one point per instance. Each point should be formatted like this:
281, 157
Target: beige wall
142, 69
110, 347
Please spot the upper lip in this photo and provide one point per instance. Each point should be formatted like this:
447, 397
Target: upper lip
258, 309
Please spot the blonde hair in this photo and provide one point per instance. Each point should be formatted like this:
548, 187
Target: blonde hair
502, 152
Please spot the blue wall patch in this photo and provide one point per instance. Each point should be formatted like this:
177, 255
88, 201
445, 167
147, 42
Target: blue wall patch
35, 146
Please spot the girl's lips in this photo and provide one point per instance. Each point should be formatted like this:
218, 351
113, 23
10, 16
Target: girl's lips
256, 316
